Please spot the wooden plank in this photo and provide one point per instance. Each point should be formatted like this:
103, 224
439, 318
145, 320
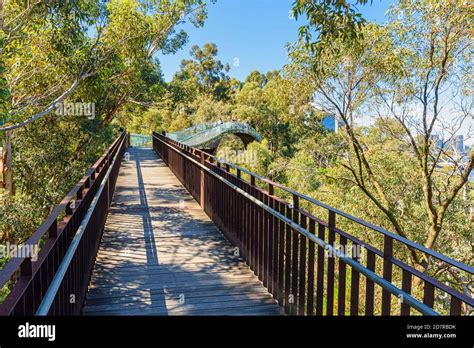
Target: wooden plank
181, 300
169, 293
168, 278
235, 309
173, 288
167, 307
159, 247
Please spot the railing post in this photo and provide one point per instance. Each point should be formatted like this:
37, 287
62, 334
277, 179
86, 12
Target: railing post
331, 263
387, 273
26, 268
294, 256
53, 229
202, 187
69, 207
26, 272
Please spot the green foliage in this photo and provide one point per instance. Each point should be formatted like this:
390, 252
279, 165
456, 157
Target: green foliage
340, 66
136, 121
328, 21
109, 48
203, 73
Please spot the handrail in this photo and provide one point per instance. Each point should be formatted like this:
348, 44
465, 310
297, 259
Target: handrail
410, 300
55, 284
379, 229
34, 276
203, 159
12, 266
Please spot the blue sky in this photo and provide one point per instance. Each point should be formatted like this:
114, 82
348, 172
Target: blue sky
256, 33
252, 33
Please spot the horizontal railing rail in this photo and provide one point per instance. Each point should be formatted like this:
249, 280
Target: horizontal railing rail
96, 211
287, 247
32, 274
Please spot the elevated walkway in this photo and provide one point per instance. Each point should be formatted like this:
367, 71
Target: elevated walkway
208, 135
160, 254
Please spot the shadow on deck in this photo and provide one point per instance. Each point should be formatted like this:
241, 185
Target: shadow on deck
161, 255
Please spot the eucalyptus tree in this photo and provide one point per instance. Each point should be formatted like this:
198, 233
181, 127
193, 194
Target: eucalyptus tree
75, 51
204, 72
102, 52
277, 106
329, 20
396, 75
430, 97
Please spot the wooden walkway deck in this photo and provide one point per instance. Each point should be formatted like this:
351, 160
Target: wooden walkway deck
161, 255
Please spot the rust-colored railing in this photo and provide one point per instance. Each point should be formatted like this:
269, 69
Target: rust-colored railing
287, 247
34, 274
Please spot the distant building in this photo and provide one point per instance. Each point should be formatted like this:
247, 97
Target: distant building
456, 144
437, 141
330, 123
459, 144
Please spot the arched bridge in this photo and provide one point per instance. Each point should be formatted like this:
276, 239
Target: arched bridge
208, 135
173, 230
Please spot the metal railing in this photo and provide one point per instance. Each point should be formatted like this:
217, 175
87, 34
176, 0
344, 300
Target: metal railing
294, 253
186, 133
33, 278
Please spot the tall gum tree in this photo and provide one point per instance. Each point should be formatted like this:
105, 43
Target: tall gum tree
83, 50
388, 72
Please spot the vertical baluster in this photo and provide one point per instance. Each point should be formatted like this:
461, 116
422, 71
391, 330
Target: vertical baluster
281, 255
26, 272
331, 263
264, 241
456, 306
428, 294
341, 293
406, 287
369, 285
288, 295
43, 271
387, 273
310, 295
302, 269
355, 275
202, 187
320, 273
260, 242
294, 257
247, 223
275, 235
253, 229
270, 231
